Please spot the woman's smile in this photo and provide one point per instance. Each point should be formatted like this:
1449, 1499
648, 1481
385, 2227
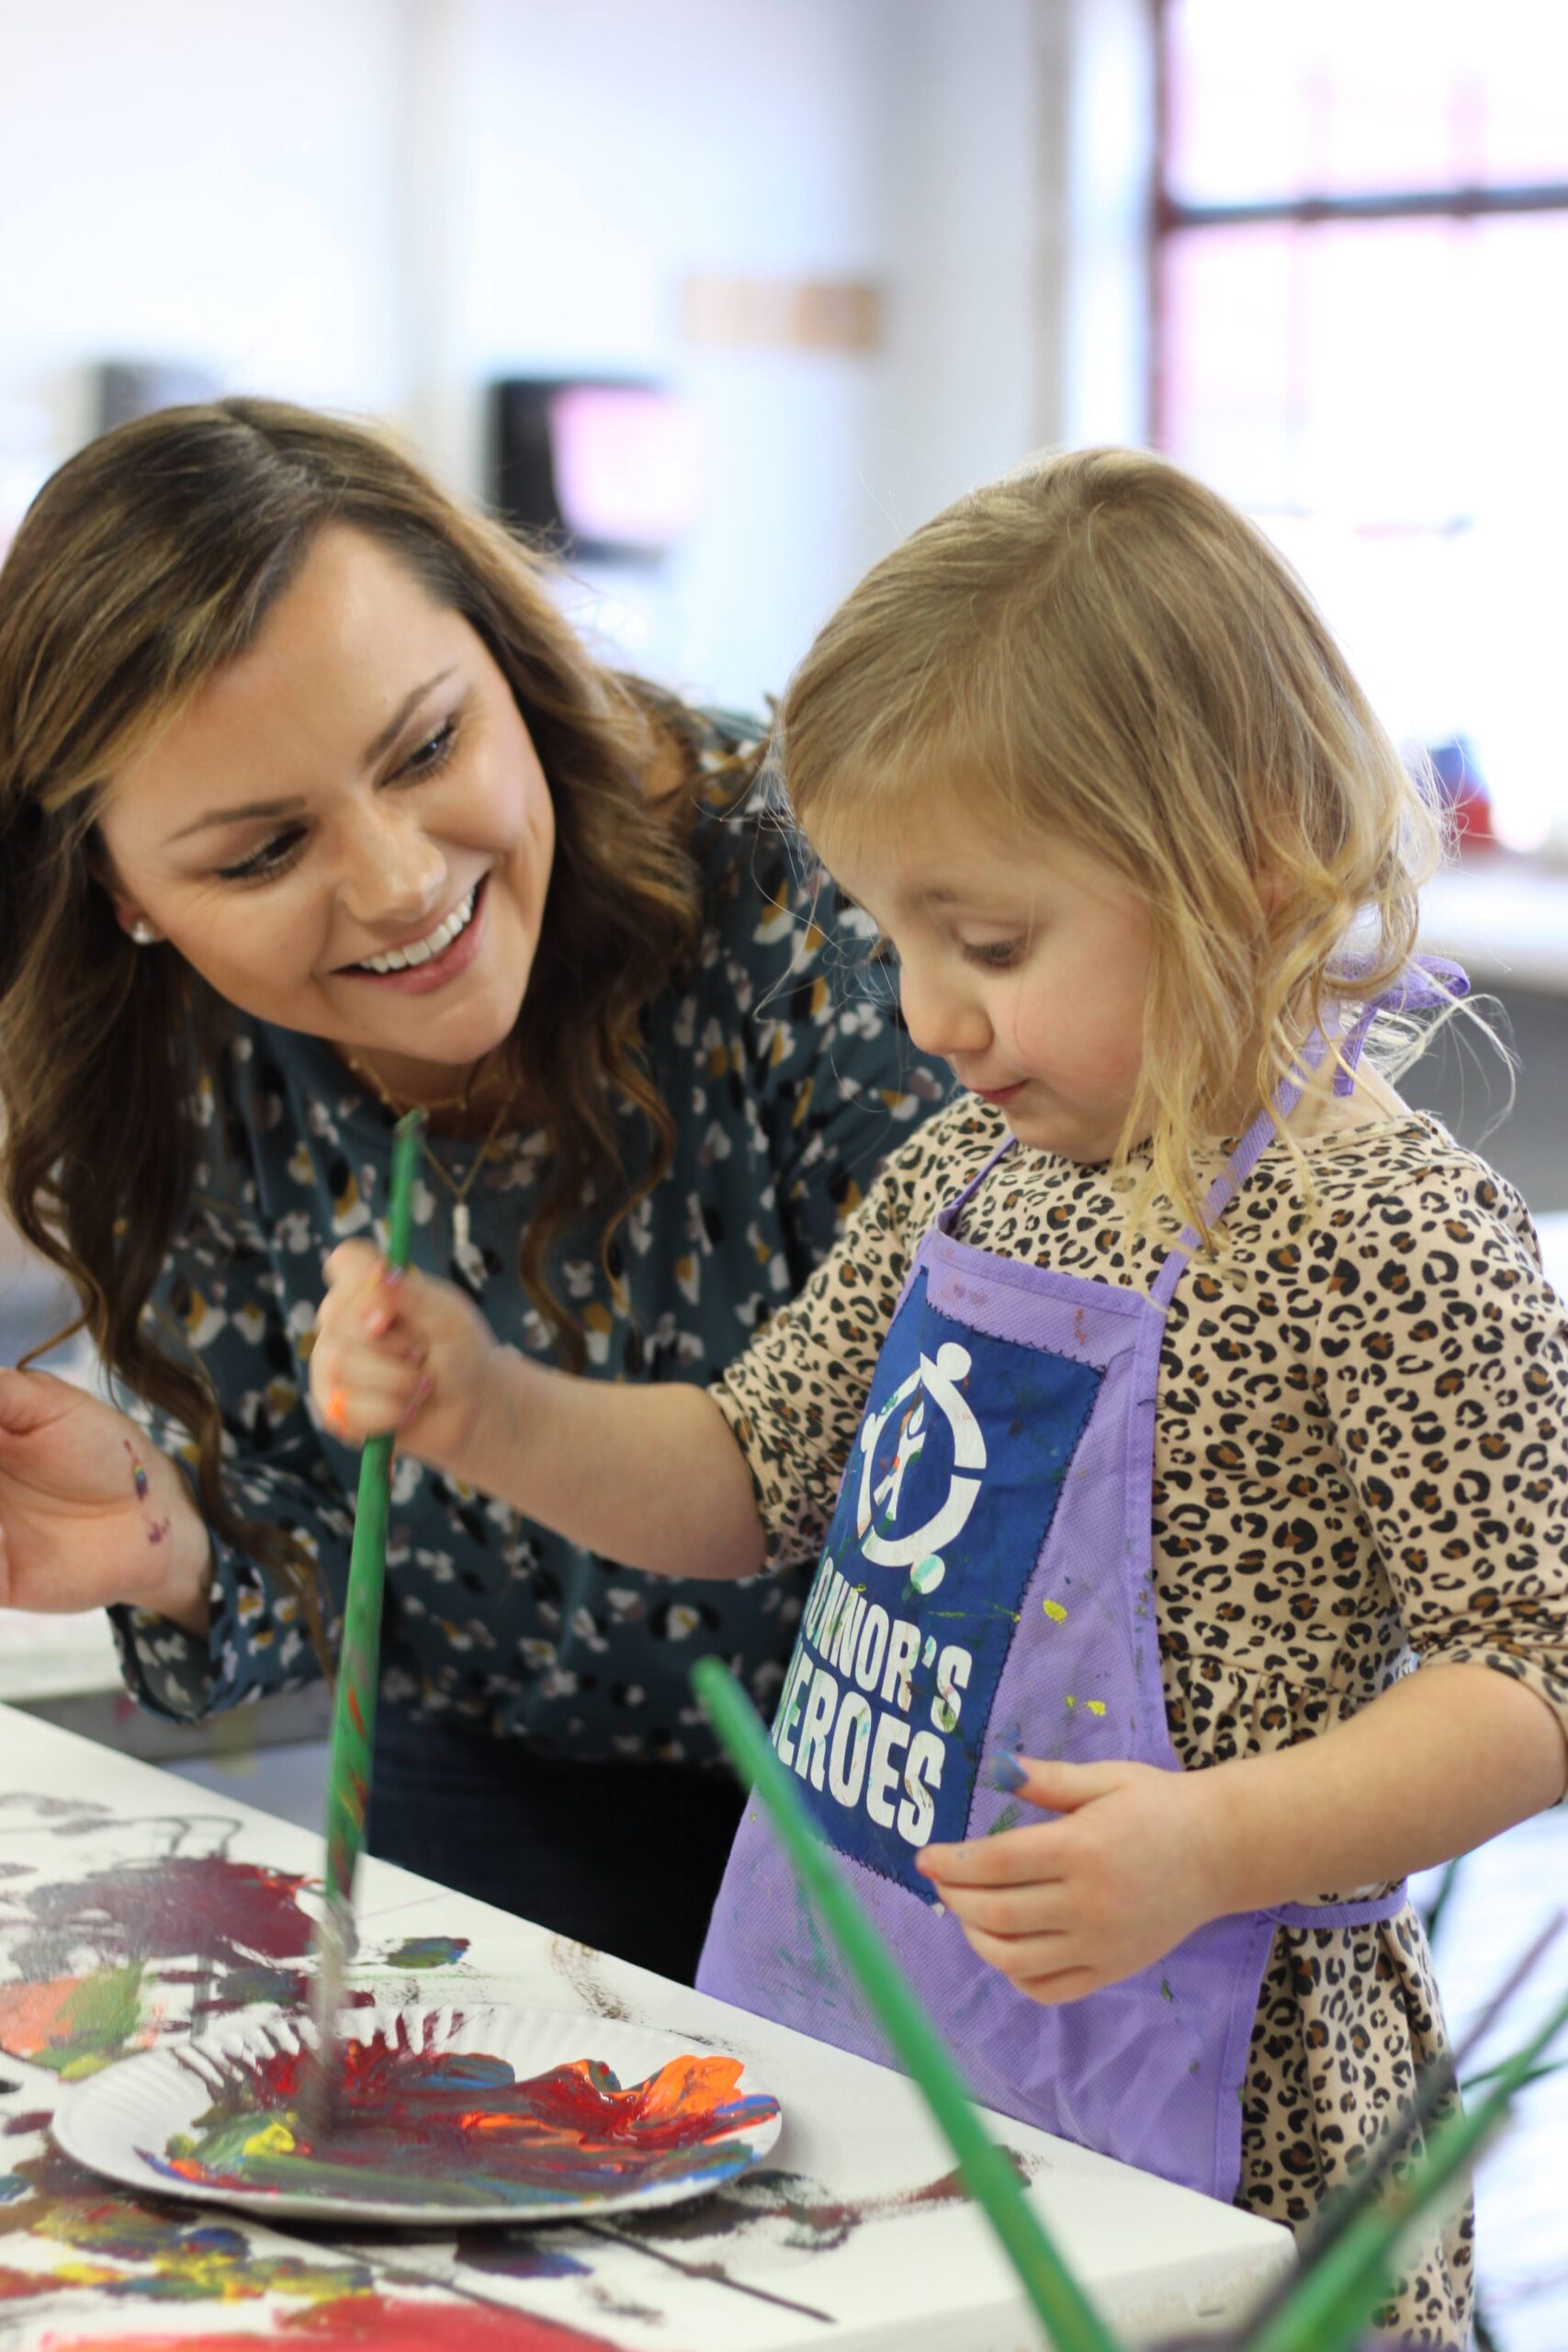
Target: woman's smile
438, 956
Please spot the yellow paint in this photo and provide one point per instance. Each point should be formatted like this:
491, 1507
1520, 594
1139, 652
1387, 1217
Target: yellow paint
1071, 1701
1097, 1706
277, 2139
1055, 1610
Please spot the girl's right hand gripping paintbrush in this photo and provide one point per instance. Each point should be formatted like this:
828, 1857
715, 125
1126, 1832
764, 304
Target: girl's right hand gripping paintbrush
353, 1705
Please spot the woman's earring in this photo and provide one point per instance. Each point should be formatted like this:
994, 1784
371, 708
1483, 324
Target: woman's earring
143, 931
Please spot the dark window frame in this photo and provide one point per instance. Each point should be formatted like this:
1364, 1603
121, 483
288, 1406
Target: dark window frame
1171, 216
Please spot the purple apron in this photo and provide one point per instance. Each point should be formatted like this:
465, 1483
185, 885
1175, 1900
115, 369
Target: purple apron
986, 1584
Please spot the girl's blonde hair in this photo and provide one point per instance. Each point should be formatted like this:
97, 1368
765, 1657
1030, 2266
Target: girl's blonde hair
1097, 648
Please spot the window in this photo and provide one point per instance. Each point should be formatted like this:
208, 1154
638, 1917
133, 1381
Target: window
1361, 337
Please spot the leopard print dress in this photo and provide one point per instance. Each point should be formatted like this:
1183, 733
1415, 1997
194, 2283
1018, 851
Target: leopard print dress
1361, 1453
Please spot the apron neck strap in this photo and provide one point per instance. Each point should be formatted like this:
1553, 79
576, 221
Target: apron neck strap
1424, 985
1239, 1168
1428, 982
947, 1218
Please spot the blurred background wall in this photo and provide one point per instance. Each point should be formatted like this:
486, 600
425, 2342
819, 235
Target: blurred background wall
851, 257
385, 205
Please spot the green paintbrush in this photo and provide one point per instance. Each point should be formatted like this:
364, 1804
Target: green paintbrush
987, 2171
1348, 2209
354, 1702
1329, 2302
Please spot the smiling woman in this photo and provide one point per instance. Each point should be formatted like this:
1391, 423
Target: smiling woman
312, 808
376, 857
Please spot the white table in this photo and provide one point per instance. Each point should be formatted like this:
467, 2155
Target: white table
852, 2237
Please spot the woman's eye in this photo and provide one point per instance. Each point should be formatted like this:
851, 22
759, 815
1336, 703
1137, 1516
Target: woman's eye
996, 954
431, 754
271, 858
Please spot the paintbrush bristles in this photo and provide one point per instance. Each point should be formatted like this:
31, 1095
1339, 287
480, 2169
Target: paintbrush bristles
326, 1999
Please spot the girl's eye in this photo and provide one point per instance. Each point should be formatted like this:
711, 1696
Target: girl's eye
431, 754
271, 858
997, 954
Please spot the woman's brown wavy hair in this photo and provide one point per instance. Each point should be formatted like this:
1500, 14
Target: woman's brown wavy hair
147, 563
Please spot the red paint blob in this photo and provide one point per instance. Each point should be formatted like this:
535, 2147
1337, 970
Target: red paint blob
366, 2320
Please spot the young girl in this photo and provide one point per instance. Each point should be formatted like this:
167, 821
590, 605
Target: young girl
1164, 1397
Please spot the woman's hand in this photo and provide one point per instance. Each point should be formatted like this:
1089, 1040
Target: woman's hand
1062, 1907
400, 1352
91, 1512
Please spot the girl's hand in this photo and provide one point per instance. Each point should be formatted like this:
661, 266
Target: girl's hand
91, 1512
400, 1353
1062, 1907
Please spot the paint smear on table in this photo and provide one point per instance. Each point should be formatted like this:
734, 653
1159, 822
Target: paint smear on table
316, 2296
787, 2214
234, 1933
456, 2129
51, 2198
100, 1959
428, 1951
799, 2213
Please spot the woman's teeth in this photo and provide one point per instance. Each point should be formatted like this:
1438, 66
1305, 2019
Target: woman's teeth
400, 959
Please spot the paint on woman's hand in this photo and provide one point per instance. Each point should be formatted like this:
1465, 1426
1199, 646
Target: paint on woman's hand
156, 1528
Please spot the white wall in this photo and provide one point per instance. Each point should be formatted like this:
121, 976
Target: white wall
608, 151
181, 179
378, 204
963, 114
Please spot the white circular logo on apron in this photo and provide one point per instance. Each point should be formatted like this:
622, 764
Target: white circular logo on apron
920, 1547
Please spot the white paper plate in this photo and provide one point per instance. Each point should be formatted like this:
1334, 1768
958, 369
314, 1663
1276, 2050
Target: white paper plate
214, 2119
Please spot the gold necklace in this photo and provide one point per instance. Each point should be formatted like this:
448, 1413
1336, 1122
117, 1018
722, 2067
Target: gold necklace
459, 1191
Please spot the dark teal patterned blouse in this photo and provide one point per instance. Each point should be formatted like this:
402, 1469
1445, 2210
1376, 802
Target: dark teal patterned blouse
789, 1079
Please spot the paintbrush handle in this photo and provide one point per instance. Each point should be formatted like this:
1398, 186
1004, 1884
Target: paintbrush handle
987, 2170
358, 1674
353, 1705
354, 1702
1328, 2305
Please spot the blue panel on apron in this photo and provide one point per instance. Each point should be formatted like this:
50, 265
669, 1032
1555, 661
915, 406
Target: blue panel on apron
947, 1500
